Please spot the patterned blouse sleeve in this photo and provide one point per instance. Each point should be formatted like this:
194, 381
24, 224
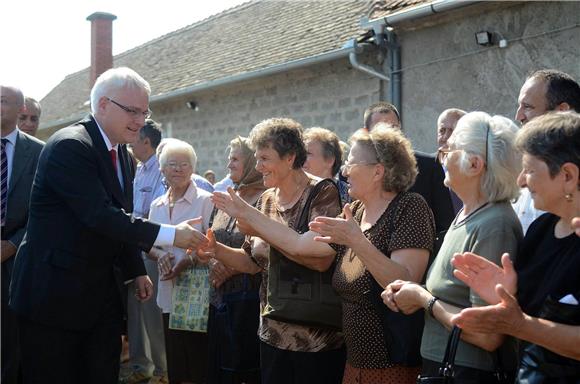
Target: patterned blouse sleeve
414, 225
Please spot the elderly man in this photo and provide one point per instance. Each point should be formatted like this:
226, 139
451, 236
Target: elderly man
63, 284
429, 182
544, 91
144, 320
19, 158
445, 126
29, 118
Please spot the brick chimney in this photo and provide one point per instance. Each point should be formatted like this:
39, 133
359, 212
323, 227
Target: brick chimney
101, 44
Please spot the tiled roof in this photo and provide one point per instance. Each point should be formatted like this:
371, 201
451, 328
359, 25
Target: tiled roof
381, 8
249, 37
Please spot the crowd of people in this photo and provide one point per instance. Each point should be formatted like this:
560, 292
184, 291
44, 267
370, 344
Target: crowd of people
315, 260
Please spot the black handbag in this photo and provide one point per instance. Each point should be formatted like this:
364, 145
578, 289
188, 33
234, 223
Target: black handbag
540, 365
402, 332
447, 368
300, 295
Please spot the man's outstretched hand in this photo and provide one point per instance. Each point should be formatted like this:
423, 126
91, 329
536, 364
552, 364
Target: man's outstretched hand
187, 237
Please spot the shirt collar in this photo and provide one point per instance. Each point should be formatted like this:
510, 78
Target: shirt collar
11, 137
189, 196
151, 163
106, 138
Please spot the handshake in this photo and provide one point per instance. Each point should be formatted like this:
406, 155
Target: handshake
187, 237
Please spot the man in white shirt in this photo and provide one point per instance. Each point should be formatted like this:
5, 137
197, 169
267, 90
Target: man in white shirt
144, 319
544, 91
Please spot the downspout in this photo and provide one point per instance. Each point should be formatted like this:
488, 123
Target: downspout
394, 56
362, 67
386, 39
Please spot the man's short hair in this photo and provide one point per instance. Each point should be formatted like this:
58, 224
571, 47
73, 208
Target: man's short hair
560, 88
30, 100
380, 107
152, 131
114, 79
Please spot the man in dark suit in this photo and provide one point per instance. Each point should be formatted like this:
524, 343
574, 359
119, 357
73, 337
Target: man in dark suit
19, 157
63, 283
429, 182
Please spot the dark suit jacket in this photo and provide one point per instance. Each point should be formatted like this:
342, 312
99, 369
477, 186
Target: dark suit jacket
26, 152
79, 227
429, 184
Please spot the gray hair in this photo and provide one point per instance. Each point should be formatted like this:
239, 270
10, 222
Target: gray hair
553, 138
171, 146
493, 140
113, 79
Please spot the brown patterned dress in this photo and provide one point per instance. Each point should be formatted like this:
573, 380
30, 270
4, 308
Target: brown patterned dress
367, 355
278, 334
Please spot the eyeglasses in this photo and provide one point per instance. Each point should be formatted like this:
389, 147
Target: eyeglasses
446, 151
347, 167
174, 165
131, 111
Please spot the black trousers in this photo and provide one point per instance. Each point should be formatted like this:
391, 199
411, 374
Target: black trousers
56, 355
280, 366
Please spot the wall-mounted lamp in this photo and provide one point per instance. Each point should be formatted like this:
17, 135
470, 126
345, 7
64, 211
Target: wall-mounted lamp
484, 38
192, 105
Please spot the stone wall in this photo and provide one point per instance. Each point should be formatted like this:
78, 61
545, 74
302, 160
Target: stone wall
331, 95
442, 67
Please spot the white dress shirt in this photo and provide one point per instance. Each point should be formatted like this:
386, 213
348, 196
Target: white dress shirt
525, 209
166, 234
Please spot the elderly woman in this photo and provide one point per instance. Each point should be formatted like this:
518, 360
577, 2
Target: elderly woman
547, 268
481, 168
289, 352
182, 201
324, 157
234, 307
386, 235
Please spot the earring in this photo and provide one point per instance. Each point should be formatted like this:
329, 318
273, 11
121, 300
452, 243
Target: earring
568, 197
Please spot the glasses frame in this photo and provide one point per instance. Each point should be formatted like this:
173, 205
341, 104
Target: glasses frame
347, 167
131, 111
181, 166
445, 152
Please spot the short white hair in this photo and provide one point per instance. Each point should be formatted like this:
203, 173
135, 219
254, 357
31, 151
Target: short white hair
473, 132
113, 79
170, 146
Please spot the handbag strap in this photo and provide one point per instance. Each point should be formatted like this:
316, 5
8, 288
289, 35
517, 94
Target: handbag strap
302, 223
448, 363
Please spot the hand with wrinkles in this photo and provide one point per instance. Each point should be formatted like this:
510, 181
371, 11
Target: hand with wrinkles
337, 230
482, 275
219, 273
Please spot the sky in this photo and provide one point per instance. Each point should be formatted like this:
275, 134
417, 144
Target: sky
45, 40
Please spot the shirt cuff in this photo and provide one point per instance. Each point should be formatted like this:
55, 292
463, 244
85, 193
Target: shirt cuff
166, 235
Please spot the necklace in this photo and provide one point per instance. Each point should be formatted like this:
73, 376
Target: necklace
472, 213
294, 197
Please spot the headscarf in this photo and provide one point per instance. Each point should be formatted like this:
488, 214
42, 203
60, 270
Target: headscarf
251, 185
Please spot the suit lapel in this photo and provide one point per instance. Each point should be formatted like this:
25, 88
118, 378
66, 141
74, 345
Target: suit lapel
110, 178
20, 161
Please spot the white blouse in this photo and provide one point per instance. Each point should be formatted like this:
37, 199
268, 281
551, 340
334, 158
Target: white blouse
194, 203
